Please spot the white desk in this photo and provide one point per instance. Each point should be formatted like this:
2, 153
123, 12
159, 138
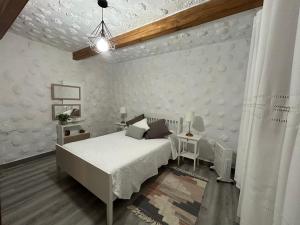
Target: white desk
182, 148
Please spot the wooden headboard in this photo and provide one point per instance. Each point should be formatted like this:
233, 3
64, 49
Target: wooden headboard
175, 124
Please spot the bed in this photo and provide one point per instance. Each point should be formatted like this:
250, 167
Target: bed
114, 165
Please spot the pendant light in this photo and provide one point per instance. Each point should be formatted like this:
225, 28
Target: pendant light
100, 39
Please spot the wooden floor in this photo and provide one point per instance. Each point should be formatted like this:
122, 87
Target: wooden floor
32, 194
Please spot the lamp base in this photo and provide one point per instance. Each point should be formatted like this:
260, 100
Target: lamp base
189, 134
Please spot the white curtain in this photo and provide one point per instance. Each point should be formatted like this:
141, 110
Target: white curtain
249, 102
268, 161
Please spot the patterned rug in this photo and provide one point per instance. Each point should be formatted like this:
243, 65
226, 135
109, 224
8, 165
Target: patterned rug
172, 198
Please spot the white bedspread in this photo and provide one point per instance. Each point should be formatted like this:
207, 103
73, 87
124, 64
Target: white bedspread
130, 161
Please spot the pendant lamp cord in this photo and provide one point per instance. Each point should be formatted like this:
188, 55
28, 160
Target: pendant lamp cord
102, 22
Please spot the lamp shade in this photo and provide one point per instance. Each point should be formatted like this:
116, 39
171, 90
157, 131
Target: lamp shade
189, 117
122, 110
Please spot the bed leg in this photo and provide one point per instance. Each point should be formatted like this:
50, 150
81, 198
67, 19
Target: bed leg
109, 213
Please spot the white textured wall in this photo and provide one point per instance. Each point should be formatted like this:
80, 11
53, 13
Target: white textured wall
27, 70
208, 80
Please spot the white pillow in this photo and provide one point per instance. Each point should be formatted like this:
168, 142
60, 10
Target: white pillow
142, 124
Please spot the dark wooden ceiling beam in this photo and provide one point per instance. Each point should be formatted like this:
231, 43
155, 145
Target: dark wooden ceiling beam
194, 16
9, 11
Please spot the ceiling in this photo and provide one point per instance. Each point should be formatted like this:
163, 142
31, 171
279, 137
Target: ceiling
65, 24
234, 27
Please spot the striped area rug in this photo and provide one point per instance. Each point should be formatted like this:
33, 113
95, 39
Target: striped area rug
173, 198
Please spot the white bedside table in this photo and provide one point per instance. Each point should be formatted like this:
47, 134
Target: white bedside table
182, 148
121, 126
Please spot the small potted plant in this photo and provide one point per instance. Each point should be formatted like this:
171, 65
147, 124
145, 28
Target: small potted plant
63, 118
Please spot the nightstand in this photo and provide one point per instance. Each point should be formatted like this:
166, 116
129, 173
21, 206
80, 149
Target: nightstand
121, 126
182, 148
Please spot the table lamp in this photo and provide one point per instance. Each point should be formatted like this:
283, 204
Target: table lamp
189, 118
123, 114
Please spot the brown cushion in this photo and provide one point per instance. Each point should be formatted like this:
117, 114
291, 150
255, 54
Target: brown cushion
135, 119
158, 129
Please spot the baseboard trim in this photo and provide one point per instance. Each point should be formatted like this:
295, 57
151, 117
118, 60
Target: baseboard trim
206, 162
24, 160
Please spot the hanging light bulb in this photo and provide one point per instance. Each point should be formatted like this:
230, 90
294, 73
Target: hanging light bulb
102, 45
100, 39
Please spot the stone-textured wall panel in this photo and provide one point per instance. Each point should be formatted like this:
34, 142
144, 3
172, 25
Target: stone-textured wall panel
208, 80
26, 74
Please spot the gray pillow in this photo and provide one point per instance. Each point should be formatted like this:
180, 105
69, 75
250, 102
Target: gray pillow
135, 132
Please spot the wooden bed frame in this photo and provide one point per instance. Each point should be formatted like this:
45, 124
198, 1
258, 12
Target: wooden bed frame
94, 179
